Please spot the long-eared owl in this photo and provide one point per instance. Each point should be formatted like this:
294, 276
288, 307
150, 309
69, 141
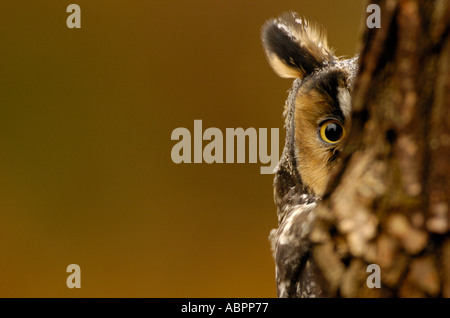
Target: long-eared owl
317, 118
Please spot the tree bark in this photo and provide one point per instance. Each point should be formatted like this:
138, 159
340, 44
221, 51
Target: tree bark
389, 203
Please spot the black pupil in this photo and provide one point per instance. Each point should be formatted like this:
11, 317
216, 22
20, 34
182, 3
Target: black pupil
333, 132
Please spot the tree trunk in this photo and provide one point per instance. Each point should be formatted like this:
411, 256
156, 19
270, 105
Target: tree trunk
389, 204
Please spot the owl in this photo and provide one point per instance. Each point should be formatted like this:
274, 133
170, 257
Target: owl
317, 117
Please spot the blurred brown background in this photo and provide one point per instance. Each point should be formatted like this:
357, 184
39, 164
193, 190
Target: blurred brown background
86, 116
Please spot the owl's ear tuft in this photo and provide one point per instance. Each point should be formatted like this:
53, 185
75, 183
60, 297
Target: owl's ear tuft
294, 46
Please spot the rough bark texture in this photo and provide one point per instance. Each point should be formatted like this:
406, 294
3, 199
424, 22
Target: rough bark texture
389, 204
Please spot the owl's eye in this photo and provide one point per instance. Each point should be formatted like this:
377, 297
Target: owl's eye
332, 131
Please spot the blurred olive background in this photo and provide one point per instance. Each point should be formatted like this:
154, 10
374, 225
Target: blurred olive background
86, 117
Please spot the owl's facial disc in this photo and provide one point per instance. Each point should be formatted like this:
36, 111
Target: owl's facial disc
321, 124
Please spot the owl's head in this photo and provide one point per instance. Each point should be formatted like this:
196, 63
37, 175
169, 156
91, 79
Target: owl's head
319, 104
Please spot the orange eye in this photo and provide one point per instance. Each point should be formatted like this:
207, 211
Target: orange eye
332, 131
